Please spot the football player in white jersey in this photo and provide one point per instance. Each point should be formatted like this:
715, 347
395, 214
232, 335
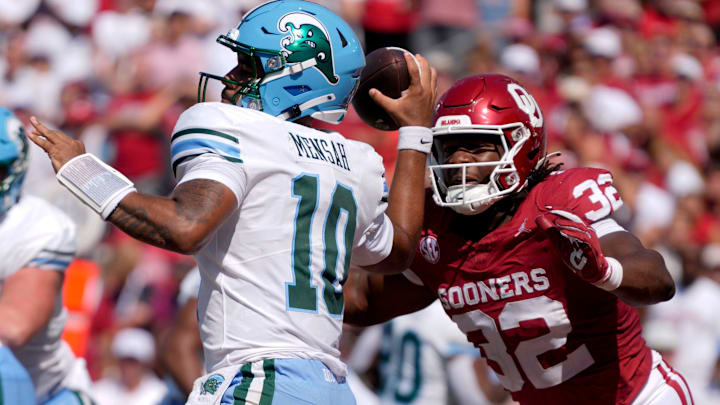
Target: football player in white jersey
38, 245
424, 359
272, 209
427, 360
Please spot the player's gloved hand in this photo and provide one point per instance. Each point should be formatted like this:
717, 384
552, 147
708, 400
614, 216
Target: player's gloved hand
578, 245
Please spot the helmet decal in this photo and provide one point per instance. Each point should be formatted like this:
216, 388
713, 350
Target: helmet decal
526, 103
448, 120
308, 39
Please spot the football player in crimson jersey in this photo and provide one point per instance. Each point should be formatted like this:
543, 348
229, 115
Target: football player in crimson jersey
528, 261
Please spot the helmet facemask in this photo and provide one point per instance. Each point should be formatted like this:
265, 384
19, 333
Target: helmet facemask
468, 198
263, 62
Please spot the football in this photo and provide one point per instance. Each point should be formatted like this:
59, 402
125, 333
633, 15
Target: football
385, 69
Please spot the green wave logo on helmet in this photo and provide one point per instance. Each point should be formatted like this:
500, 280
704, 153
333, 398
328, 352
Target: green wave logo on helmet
308, 39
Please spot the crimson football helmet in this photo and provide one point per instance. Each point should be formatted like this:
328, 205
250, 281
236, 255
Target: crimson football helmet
487, 105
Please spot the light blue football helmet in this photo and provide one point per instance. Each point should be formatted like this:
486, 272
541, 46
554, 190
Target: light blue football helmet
13, 159
306, 61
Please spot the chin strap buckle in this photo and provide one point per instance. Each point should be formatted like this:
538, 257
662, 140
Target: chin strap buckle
296, 110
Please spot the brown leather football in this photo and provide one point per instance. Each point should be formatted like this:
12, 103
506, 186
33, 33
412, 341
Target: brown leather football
385, 69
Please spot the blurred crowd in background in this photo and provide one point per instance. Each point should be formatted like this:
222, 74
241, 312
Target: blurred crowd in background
628, 85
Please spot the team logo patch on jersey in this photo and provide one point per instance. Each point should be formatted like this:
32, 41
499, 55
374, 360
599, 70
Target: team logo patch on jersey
308, 39
211, 385
429, 248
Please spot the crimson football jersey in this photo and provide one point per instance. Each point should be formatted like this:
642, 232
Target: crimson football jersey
551, 337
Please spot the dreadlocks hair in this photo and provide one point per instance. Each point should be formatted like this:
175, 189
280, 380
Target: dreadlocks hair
536, 176
539, 174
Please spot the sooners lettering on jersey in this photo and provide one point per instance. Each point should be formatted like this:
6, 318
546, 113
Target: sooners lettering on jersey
550, 337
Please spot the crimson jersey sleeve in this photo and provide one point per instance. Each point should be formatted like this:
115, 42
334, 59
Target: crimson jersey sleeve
586, 192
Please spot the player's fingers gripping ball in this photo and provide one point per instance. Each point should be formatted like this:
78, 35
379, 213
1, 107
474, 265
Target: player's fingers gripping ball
386, 70
577, 243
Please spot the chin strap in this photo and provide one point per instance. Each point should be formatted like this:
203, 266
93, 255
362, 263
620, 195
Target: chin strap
291, 70
296, 110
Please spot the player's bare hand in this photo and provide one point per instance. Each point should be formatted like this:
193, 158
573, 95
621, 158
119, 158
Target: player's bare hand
59, 147
416, 105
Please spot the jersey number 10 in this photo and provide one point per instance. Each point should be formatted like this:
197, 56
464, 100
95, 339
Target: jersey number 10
301, 294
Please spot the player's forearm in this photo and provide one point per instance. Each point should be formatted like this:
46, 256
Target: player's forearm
153, 220
159, 221
645, 281
406, 208
181, 222
375, 298
21, 318
16, 328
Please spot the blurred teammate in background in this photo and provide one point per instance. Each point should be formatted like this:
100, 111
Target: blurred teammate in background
38, 245
527, 261
272, 209
426, 360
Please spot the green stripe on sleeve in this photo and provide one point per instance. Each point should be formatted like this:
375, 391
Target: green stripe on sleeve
180, 160
203, 131
60, 252
184, 158
268, 391
241, 391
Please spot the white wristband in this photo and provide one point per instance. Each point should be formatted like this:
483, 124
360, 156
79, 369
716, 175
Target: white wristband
113, 202
98, 185
415, 138
614, 276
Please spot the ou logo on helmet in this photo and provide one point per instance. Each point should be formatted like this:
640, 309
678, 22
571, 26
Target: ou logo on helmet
526, 103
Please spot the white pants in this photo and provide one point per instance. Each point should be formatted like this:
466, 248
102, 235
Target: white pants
665, 386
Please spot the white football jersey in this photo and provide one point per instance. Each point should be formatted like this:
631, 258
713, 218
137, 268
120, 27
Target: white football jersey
415, 351
36, 234
272, 273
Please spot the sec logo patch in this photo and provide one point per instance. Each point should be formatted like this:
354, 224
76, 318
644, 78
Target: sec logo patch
430, 248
